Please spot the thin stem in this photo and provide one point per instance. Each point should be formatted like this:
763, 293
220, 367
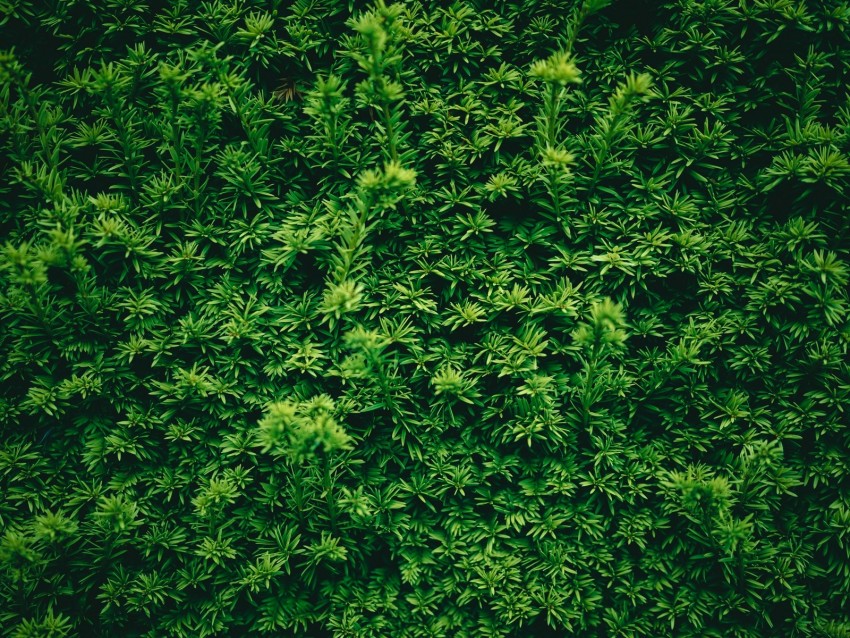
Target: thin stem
327, 484
553, 109
552, 115
607, 140
390, 132
332, 133
576, 27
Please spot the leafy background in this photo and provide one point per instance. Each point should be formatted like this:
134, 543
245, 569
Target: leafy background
505, 318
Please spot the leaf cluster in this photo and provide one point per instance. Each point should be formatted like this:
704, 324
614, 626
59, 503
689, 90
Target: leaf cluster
471, 319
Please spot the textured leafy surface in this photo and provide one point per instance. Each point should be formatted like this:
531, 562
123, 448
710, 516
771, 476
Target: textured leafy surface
482, 319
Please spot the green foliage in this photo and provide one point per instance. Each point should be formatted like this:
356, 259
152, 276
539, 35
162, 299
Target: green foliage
471, 319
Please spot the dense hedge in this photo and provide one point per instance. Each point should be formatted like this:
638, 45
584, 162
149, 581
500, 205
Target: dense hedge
492, 318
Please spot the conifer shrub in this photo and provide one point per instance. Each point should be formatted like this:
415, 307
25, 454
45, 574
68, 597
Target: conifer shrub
503, 318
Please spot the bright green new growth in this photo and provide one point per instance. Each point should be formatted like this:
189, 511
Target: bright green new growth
475, 319
302, 429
